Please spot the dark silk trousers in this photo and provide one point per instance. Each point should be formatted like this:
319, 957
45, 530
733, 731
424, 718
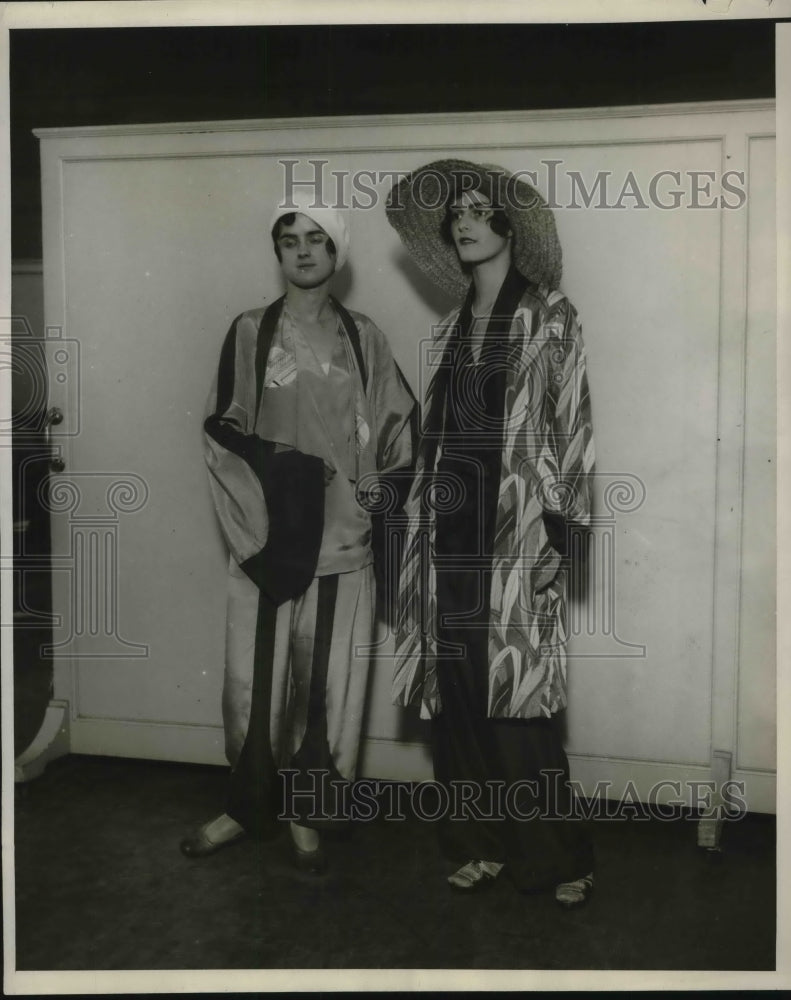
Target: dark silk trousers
533, 830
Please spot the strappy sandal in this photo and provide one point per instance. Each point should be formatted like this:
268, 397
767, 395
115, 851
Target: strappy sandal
475, 876
570, 895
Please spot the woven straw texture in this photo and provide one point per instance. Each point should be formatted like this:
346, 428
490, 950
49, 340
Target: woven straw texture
416, 207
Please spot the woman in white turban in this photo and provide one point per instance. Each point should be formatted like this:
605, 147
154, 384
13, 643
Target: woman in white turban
307, 415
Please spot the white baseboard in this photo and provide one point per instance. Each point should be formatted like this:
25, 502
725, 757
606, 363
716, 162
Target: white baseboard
760, 790
187, 744
665, 783
392, 760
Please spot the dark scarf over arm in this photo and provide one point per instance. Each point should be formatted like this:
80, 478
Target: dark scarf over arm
292, 483
511, 291
493, 386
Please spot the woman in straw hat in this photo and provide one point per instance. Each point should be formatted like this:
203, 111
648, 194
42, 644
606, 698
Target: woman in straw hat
503, 477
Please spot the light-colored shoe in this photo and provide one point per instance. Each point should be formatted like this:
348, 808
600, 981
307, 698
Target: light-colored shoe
475, 876
313, 861
212, 837
570, 895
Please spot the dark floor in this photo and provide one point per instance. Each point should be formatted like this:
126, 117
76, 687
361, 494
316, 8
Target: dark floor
100, 884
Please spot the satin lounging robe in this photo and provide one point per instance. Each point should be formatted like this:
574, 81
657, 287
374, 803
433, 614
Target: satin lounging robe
294, 448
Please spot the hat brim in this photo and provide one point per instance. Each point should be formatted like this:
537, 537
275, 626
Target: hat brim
416, 207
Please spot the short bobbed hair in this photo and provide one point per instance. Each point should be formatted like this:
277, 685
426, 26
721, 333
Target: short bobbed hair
499, 222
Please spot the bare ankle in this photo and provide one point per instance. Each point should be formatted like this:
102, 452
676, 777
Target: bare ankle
305, 837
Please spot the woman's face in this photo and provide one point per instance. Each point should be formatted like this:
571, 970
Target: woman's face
473, 236
304, 258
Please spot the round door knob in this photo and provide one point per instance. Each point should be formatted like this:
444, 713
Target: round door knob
57, 464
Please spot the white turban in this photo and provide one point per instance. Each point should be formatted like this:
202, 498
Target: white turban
330, 220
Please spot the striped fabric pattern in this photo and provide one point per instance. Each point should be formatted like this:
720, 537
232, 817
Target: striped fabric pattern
547, 464
237, 448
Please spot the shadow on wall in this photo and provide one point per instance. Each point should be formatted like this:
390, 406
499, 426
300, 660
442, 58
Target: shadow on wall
32, 594
438, 302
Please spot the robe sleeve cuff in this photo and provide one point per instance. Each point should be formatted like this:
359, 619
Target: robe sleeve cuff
294, 494
559, 531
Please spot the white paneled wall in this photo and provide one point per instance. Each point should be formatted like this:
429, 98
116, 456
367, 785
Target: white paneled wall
156, 237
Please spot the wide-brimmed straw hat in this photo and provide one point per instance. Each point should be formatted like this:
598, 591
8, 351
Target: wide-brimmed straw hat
416, 207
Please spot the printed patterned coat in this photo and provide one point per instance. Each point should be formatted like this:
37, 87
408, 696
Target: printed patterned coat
545, 479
